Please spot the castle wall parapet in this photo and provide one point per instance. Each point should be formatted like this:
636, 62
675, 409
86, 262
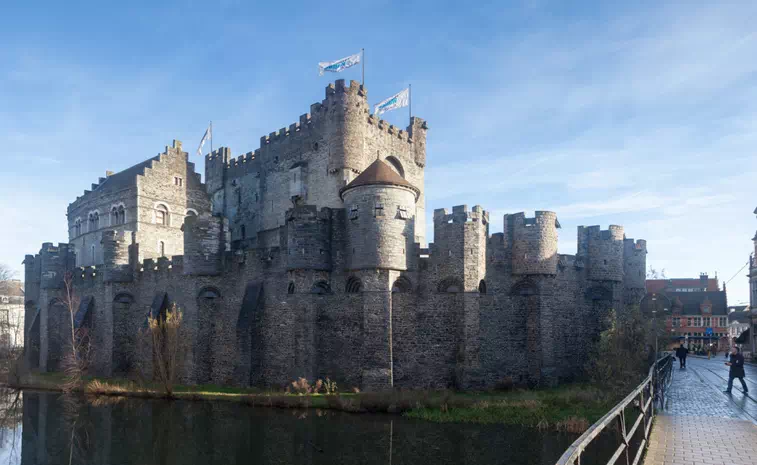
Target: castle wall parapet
603, 251
532, 242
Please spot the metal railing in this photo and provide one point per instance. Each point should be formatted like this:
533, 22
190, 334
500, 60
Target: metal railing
649, 393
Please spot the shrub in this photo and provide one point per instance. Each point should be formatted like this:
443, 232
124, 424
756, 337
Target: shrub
330, 387
301, 386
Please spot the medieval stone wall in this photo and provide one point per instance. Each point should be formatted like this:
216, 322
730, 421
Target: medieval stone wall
279, 278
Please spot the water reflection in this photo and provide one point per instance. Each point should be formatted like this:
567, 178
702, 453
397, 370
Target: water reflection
46, 428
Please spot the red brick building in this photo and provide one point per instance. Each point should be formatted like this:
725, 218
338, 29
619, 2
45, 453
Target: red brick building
694, 310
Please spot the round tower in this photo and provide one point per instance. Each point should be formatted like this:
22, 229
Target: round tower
346, 109
380, 208
308, 238
603, 250
532, 242
634, 263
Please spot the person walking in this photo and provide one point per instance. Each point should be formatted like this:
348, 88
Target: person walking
681, 353
737, 369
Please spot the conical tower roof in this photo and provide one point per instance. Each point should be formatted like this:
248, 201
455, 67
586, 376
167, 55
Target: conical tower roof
379, 174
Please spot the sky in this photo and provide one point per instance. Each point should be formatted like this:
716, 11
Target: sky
630, 113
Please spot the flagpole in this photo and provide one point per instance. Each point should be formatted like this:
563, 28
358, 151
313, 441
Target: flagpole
410, 103
211, 137
362, 83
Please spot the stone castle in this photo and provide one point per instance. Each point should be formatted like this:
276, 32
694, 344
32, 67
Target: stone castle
307, 258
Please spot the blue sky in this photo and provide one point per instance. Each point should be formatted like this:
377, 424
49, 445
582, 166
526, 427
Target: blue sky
630, 113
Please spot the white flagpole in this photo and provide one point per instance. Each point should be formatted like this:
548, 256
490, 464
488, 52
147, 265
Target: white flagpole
211, 137
410, 103
362, 50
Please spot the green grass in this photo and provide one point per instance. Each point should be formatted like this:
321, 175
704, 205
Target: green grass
570, 408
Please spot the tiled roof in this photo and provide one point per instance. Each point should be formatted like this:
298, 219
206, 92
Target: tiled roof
379, 173
658, 285
689, 303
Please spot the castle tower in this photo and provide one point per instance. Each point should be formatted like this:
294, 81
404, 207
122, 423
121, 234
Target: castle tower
206, 239
116, 257
459, 246
634, 270
380, 231
216, 164
532, 242
347, 108
380, 219
603, 252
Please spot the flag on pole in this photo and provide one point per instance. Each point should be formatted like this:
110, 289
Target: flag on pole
397, 100
339, 65
205, 138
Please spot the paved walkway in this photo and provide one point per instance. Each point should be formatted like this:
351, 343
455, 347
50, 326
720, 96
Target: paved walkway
701, 425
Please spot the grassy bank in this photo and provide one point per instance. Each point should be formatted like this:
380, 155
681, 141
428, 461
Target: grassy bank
571, 408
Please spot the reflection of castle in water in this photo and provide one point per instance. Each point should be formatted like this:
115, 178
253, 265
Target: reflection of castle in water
307, 258
206, 433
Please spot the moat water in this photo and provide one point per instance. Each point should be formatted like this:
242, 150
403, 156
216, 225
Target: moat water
48, 428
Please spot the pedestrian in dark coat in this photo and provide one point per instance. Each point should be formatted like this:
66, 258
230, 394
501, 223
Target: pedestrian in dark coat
681, 353
737, 369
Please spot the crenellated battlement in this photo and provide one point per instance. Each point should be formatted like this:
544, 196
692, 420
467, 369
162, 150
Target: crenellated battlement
602, 251
461, 214
532, 242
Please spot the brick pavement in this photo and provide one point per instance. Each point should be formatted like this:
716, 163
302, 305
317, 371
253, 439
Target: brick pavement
701, 425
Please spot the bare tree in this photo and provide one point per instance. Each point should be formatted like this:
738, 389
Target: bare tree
653, 273
76, 359
168, 346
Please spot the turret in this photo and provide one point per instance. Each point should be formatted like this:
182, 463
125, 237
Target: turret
216, 164
532, 242
459, 246
308, 238
54, 263
634, 264
347, 109
380, 208
602, 252
206, 239
32, 277
116, 257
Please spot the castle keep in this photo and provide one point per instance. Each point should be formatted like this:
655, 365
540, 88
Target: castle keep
307, 258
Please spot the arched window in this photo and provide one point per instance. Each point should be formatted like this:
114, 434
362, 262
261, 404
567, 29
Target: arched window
162, 246
321, 287
396, 165
114, 217
121, 215
450, 285
209, 293
161, 215
290, 288
482, 287
77, 227
402, 285
353, 285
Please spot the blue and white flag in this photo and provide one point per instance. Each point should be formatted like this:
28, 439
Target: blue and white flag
397, 100
208, 135
339, 65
